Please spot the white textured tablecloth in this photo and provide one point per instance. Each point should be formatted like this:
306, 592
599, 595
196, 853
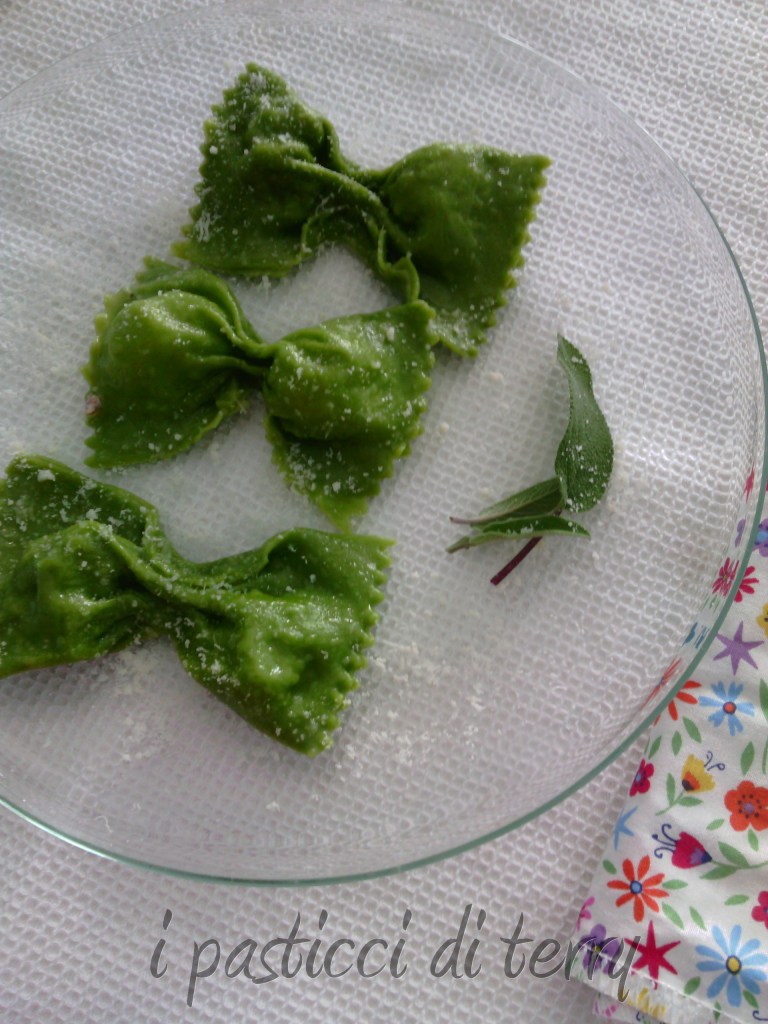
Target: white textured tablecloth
78, 933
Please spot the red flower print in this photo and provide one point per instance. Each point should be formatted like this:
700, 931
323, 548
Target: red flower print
689, 853
748, 584
725, 577
684, 696
669, 674
584, 913
750, 483
760, 912
748, 805
641, 783
653, 957
643, 890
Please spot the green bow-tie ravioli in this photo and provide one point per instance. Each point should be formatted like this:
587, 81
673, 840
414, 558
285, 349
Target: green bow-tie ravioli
446, 223
274, 183
175, 356
277, 633
344, 401
461, 214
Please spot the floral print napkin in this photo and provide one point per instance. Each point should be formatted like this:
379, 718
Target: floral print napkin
675, 927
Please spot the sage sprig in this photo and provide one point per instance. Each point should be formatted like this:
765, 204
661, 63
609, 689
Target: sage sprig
584, 460
583, 467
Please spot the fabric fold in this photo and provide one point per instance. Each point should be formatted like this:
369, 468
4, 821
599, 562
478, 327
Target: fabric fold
683, 880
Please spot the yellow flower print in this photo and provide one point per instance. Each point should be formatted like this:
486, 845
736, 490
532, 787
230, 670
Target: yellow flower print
645, 1001
695, 777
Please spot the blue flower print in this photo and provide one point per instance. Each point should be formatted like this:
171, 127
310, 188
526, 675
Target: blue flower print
739, 532
728, 706
701, 637
737, 966
696, 635
761, 540
621, 828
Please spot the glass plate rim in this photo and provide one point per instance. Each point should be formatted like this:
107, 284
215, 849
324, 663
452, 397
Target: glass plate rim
124, 36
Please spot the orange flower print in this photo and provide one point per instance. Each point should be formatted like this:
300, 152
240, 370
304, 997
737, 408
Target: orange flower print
683, 696
640, 887
762, 619
669, 674
748, 805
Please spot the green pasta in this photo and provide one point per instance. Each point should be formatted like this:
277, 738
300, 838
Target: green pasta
461, 214
276, 633
446, 223
344, 401
175, 356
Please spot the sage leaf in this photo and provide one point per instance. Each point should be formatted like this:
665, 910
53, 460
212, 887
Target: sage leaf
520, 526
583, 467
541, 499
584, 460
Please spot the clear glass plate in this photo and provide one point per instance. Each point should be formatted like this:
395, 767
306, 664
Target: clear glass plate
480, 706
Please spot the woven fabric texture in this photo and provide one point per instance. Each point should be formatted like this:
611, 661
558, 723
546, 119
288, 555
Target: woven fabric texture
80, 932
